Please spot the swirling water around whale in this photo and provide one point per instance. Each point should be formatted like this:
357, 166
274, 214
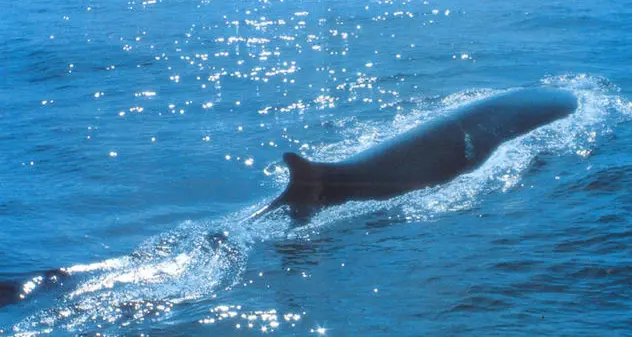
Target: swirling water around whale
123, 168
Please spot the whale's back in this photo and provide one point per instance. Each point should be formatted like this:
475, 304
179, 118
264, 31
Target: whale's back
430, 154
490, 122
518, 111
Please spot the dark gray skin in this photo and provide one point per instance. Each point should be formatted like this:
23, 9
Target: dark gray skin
428, 155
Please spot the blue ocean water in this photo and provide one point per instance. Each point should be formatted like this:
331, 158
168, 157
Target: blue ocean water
131, 132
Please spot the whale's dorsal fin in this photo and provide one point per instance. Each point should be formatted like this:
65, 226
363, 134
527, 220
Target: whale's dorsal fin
300, 168
306, 181
302, 193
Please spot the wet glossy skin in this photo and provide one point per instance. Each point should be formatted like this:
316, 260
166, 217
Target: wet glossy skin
430, 154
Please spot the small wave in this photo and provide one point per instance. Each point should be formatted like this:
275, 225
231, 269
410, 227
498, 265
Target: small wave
480, 303
603, 181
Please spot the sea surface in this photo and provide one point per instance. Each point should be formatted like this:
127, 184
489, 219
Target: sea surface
136, 136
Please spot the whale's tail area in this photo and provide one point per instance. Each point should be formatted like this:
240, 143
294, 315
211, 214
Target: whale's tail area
14, 290
9, 293
303, 193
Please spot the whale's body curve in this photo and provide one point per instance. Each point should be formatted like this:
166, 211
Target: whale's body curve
427, 155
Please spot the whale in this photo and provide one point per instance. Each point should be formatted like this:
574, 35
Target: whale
428, 155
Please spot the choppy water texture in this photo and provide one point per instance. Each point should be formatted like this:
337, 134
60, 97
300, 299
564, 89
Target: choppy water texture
135, 136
